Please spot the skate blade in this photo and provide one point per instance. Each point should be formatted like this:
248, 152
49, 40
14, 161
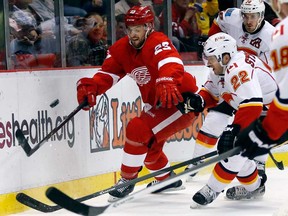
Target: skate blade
182, 187
195, 205
244, 198
112, 199
190, 179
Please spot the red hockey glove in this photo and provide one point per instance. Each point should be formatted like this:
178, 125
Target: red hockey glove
167, 93
254, 140
87, 88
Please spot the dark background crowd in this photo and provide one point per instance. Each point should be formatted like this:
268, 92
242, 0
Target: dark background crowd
36, 40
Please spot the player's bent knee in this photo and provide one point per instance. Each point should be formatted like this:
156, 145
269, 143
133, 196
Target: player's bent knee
137, 132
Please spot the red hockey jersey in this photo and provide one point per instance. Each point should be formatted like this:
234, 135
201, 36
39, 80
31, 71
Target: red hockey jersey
157, 58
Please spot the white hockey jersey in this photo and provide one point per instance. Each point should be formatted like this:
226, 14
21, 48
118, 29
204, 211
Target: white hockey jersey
276, 121
247, 82
279, 56
257, 43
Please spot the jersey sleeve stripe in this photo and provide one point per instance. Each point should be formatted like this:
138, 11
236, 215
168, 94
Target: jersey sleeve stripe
169, 60
280, 103
113, 76
251, 102
250, 105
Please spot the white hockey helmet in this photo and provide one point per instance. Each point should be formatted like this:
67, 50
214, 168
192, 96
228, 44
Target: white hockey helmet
253, 6
218, 44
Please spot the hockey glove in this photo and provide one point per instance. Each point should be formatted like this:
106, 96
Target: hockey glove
167, 93
254, 140
227, 139
87, 88
191, 103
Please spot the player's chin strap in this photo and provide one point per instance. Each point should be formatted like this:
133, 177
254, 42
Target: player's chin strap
224, 67
258, 25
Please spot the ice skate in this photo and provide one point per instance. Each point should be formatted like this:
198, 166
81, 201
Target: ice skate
203, 197
171, 187
261, 170
190, 178
120, 192
240, 193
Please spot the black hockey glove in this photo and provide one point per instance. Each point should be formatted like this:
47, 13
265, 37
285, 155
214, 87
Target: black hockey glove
254, 140
227, 139
191, 103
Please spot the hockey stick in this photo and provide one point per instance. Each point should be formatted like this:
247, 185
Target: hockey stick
24, 142
282, 141
73, 205
279, 164
35, 204
39, 206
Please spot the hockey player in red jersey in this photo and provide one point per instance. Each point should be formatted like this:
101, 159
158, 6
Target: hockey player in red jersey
252, 34
151, 60
247, 86
261, 136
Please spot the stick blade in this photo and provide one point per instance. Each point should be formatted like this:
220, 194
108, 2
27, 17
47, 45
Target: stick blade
23, 142
35, 204
281, 165
67, 202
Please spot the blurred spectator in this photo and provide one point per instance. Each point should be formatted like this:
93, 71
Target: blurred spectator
29, 47
73, 11
270, 15
105, 34
98, 32
123, 6
19, 10
184, 26
206, 11
158, 6
96, 6
45, 10
90, 46
120, 26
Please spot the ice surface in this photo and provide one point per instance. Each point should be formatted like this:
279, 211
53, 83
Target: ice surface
177, 203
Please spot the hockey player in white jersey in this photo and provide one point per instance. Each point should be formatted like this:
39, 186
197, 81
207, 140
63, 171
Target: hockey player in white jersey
261, 136
252, 34
247, 26
248, 87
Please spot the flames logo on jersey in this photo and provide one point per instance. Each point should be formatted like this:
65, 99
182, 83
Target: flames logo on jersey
141, 75
227, 96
